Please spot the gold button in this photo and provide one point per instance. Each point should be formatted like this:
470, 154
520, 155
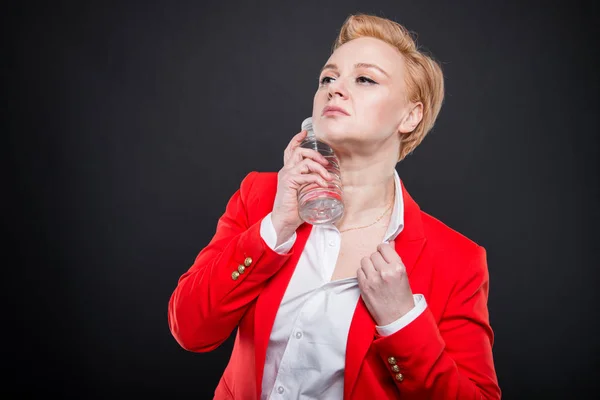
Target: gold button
247, 261
235, 275
392, 360
395, 368
399, 377
241, 269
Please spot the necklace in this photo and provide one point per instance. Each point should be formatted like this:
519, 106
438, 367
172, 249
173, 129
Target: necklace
372, 223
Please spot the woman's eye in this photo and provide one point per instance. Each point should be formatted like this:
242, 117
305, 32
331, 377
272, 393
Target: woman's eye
364, 79
361, 79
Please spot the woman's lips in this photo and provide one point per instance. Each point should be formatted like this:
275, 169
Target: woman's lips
334, 110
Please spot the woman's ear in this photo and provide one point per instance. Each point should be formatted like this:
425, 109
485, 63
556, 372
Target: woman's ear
412, 119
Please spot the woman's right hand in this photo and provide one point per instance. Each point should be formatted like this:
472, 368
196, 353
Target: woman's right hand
300, 167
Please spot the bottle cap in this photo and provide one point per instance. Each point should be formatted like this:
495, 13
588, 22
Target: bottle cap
307, 126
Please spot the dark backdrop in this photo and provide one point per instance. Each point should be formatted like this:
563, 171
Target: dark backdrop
129, 124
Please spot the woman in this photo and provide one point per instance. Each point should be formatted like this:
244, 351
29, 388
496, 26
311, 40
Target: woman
389, 302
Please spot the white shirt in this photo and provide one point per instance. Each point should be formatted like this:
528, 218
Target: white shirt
307, 348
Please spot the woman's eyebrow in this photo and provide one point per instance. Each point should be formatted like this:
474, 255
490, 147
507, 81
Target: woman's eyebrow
359, 65
329, 66
367, 65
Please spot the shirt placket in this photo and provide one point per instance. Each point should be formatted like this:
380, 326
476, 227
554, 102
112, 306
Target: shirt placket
286, 386
331, 248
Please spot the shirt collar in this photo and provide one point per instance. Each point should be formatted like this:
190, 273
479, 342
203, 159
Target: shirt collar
397, 219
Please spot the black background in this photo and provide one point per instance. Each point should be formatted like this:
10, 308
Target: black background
129, 124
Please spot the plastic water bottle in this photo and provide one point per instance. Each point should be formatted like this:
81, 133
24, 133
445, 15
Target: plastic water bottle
318, 204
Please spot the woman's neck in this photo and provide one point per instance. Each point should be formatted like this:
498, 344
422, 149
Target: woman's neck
368, 189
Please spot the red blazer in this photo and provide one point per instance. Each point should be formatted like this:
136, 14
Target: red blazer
446, 353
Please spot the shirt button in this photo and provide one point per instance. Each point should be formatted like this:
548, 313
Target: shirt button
280, 390
298, 335
331, 243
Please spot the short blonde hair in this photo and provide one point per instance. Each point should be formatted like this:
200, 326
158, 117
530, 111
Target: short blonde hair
424, 82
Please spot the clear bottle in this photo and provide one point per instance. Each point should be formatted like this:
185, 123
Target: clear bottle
318, 204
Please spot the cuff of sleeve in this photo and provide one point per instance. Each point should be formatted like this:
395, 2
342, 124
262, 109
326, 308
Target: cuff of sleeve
259, 262
420, 306
411, 340
268, 234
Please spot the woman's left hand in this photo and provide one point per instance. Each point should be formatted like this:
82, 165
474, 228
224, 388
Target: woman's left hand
384, 285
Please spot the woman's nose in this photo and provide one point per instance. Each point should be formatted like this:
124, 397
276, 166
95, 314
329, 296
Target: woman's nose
337, 89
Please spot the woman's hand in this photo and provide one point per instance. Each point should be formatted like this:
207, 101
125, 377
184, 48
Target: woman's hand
300, 167
384, 285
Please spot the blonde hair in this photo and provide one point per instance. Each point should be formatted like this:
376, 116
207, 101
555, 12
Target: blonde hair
424, 81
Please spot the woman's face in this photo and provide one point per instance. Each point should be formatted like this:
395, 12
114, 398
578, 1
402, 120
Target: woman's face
365, 79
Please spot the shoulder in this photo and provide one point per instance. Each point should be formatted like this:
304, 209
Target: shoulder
257, 192
445, 236
453, 246
255, 183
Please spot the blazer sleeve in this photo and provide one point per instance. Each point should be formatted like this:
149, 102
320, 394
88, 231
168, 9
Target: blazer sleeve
225, 278
452, 360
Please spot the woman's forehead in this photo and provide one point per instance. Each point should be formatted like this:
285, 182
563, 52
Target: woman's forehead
367, 51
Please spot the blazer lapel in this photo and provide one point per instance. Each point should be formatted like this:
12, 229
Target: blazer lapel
409, 244
269, 300
411, 240
360, 337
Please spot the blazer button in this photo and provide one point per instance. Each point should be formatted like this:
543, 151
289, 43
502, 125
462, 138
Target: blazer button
399, 377
392, 360
241, 269
248, 261
235, 275
395, 368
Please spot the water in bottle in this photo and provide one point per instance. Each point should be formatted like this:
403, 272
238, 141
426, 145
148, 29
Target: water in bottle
318, 204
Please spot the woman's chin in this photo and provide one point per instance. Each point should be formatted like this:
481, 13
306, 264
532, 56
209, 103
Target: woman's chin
338, 135
331, 131
332, 138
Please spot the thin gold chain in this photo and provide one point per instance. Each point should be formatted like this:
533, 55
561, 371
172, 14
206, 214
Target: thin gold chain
372, 223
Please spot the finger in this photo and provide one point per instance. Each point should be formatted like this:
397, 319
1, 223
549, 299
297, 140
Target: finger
360, 275
297, 139
293, 144
379, 264
300, 153
312, 154
367, 267
301, 180
388, 252
309, 166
